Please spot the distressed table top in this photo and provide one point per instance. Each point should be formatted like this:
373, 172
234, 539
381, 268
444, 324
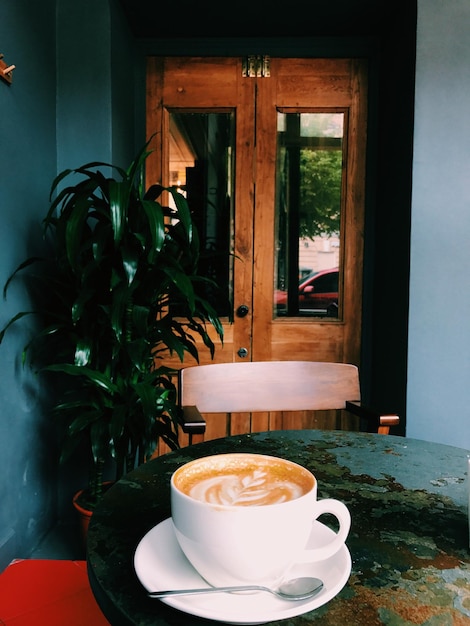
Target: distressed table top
409, 539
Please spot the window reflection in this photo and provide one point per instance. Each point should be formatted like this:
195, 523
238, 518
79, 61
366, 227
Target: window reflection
308, 213
201, 164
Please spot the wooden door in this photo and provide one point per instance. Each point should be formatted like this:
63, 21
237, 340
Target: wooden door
280, 89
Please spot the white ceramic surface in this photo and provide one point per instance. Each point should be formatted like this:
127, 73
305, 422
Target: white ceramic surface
230, 544
160, 564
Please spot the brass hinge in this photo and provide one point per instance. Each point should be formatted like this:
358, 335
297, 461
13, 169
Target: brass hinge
256, 66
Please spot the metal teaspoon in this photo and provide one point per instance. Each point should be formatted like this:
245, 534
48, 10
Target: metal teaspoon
294, 589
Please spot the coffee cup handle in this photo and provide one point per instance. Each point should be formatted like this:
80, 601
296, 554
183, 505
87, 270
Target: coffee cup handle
341, 512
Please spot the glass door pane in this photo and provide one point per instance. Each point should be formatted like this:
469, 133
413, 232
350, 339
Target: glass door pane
308, 214
201, 165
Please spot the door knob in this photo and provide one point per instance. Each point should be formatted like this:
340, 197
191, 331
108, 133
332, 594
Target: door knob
242, 310
243, 352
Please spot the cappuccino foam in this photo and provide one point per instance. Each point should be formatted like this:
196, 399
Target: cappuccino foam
243, 480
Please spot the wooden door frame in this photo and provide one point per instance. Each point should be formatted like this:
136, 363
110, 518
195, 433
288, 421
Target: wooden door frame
319, 83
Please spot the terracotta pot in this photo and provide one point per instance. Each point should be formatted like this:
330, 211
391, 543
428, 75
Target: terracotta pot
85, 514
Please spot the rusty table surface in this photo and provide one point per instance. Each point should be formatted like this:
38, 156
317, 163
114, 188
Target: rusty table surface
409, 539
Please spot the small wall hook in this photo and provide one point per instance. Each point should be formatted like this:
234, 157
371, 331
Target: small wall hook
6, 70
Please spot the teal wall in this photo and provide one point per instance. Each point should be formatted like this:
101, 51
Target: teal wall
97, 99
27, 165
439, 331
66, 106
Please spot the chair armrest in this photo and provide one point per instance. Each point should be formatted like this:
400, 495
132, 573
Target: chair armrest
193, 422
376, 421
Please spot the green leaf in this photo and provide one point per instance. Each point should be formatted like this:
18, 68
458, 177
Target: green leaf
83, 421
86, 294
172, 342
20, 268
82, 352
14, 319
184, 284
130, 263
121, 299
184, 214
156, 223
136, 166
148, 395
211, 315
118, 421
119, 193
139, 316
74, 226
93, 376
99, 438
55, 183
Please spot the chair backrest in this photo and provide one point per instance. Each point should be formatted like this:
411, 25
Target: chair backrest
268, 386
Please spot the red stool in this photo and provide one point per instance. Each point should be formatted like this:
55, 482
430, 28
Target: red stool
48, 593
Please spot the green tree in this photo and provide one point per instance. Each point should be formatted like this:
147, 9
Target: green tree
320, 192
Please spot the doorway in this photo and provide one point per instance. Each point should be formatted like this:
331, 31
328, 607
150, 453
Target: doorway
251, 142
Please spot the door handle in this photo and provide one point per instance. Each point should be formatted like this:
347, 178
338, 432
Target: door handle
242, 310
242, 353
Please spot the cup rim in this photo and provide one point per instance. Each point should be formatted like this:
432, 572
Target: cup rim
184, 466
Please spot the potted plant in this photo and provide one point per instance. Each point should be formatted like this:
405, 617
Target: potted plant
119, 291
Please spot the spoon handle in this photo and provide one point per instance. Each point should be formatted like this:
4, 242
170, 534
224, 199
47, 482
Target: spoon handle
189, 592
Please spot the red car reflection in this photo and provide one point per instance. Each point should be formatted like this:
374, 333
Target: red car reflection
318, 294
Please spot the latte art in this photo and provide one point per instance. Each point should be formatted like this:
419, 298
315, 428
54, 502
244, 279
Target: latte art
243, 480
254, 489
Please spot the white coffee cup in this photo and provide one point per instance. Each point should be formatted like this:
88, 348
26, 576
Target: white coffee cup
246, 518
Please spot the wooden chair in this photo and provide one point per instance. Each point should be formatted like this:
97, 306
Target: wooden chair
249, 387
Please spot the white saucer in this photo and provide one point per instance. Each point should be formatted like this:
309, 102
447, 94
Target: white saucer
160, 564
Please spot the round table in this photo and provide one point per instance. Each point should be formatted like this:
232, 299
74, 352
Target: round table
409, 539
